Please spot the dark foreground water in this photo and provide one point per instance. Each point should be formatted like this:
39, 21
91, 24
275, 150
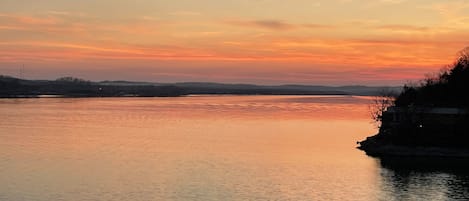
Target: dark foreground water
206, 148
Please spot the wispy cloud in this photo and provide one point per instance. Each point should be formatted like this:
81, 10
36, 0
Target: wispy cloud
265, 24
276, 24
66, 13
392, 1
64, 36
374, 4
453, 13
401, 27
449, 7
75, 24
46, 23
29, 20
318, 26
185, 13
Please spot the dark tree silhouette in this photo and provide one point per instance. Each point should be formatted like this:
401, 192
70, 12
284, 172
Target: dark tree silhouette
432, 113
449, 88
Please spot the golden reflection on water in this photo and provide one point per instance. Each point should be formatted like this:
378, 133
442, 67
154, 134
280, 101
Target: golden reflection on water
187, 148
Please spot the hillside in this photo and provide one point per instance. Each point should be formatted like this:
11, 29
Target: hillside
430, 119
75, 87
449, 88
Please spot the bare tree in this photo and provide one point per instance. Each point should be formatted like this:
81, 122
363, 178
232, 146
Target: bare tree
464, 54
380, 103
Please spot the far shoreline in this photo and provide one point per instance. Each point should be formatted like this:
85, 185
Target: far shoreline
50, 96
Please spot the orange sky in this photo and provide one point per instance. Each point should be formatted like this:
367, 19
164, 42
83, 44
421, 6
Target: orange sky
333, 42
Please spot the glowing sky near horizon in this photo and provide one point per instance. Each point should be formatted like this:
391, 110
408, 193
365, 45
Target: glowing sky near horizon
333, 42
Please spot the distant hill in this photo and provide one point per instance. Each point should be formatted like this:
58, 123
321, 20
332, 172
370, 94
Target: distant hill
76, 87
11, 87
217, 88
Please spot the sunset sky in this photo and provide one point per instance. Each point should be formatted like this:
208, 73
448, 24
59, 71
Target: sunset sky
331, 42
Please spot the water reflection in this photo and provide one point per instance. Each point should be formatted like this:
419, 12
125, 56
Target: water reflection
424, 178
202, 148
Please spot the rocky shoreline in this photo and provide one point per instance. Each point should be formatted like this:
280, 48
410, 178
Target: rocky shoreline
373, 146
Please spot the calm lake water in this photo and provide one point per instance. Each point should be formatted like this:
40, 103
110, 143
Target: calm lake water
204, 148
